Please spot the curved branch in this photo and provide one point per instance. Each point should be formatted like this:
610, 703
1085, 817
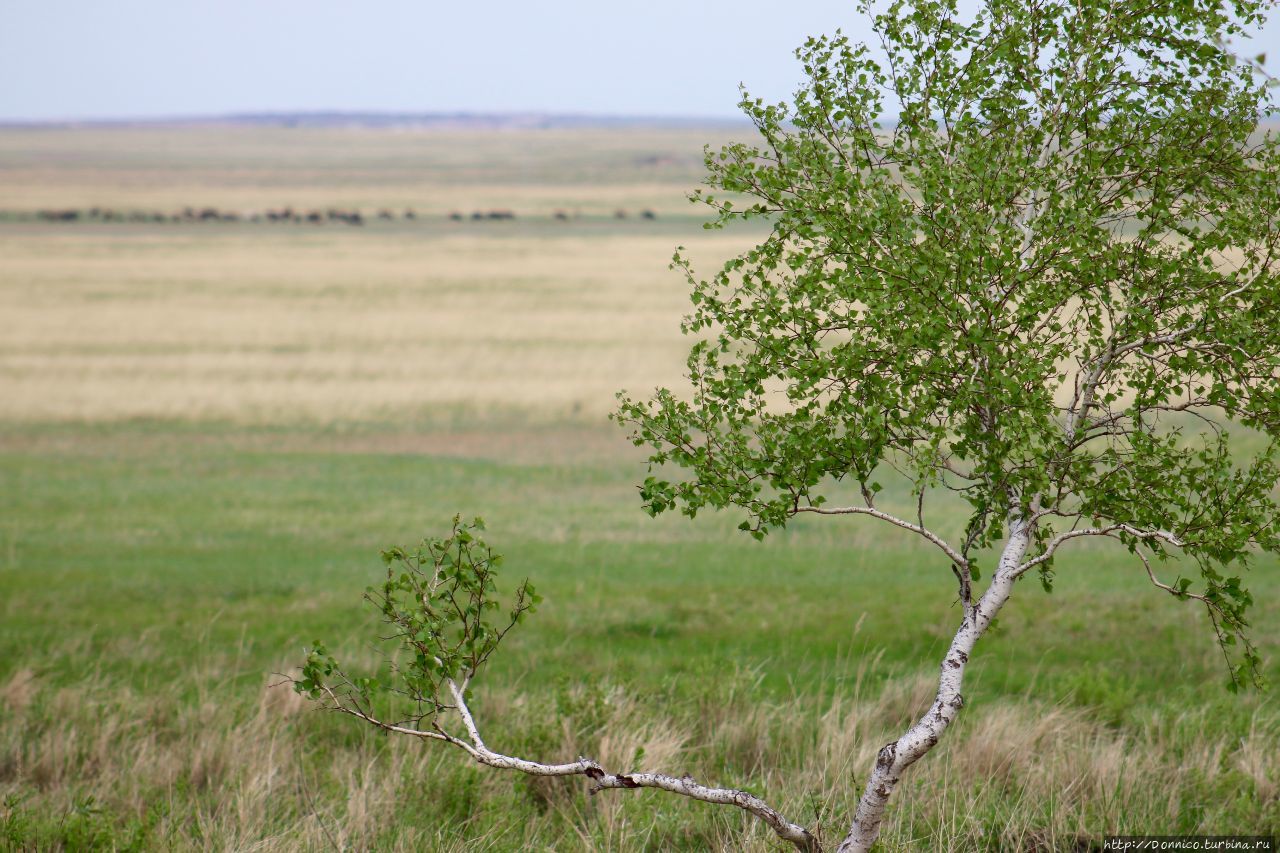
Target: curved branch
1217, 616
956, 556
601, 779
1047, 554
1083, 398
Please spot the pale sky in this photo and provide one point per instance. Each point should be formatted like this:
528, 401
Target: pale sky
77, 59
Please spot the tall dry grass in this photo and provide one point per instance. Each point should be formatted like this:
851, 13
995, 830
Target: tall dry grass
164, 770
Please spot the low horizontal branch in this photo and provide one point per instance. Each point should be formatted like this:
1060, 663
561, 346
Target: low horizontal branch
601, 779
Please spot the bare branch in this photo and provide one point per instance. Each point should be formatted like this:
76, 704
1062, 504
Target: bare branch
1109, 530
601, 779
956, 556
1215, 611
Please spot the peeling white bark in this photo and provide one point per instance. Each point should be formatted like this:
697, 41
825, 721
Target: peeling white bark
685, 786
896, 757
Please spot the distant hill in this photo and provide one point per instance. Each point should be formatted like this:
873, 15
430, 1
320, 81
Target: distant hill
337, 119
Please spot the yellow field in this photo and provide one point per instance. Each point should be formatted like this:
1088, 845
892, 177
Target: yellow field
262, 322
432, 171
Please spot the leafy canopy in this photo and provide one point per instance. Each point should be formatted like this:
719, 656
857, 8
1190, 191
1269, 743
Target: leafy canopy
1050, 286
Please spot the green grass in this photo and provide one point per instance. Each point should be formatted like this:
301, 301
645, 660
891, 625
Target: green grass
209, 431
153, 577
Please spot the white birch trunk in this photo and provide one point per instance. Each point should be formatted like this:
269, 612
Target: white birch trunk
896, 757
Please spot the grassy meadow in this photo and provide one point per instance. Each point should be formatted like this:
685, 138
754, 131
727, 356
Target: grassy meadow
209, 430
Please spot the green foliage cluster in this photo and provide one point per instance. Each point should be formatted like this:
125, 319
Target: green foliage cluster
440, 601
1050, 287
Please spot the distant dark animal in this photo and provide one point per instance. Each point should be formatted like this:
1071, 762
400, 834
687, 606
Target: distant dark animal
455, 216
409, 214
386, 214
476, 216
501, 215
655, 160
351, 217
315, 217
209, 214
59, 215
561, 216
648, 214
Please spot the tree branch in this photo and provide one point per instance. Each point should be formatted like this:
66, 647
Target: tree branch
956, 556
1047, 554
601, 779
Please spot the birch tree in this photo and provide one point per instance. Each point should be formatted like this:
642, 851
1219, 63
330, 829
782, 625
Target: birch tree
1048, 288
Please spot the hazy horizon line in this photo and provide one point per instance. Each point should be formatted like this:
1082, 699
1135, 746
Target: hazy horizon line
528, 119
408, 119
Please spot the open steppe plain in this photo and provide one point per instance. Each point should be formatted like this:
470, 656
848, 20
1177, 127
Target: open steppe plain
208, 430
